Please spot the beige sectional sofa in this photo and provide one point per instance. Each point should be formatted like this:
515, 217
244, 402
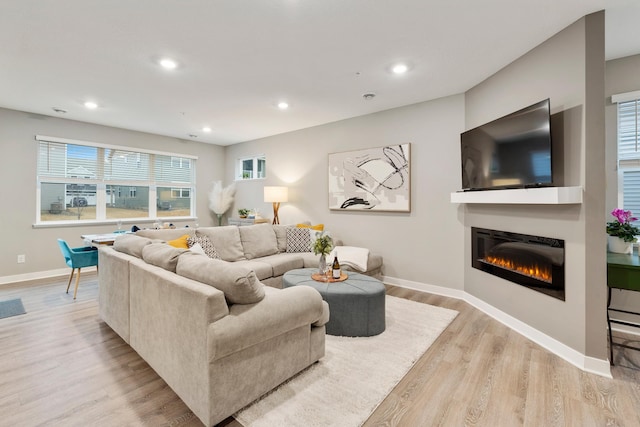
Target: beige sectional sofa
261, 247
210, 328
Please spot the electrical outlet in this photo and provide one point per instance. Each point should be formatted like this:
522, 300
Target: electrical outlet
21, 259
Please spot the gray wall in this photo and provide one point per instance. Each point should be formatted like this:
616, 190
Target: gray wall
423, 246
569, 69
622, 75
17, 132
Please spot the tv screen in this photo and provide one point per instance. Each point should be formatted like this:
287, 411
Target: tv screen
513, 151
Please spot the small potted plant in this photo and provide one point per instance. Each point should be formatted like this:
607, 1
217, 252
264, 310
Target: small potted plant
243, 212
322, 246
622, 234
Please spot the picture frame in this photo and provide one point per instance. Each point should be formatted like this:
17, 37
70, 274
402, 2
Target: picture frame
372, 179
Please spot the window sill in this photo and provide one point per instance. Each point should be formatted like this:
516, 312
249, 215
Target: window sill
91, 223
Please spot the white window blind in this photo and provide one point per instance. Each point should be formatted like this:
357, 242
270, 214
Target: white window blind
629, 150
631, 190
83, 181
628, 144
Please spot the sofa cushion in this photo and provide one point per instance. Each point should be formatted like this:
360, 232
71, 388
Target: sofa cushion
131, 244
239, 284
298, 240
258, 240
281, 263
165, 234
281, 236
262, 269
226, 240
162, 255
205, 243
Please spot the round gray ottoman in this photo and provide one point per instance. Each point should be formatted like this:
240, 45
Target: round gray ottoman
356, 305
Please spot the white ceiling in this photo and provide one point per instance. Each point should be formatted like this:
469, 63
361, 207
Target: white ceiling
239, 58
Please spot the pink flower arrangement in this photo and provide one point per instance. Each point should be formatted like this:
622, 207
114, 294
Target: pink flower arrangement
623, 217
622, 226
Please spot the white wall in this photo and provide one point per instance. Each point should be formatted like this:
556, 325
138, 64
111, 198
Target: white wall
423, 246
569, 69
18, 213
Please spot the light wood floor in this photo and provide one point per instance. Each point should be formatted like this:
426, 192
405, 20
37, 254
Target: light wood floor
61, 366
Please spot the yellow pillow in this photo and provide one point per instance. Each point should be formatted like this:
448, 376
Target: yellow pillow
319, 227
180, 242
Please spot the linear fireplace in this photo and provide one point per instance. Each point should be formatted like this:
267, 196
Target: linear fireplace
532, 261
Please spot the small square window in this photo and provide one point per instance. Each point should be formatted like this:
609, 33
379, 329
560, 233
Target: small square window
252, 168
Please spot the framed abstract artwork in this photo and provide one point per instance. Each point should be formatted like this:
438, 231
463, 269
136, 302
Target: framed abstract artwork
372, 179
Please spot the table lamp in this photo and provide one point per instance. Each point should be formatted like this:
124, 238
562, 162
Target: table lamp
276, 195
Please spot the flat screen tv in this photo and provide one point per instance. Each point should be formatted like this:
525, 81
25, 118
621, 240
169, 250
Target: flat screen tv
513, 151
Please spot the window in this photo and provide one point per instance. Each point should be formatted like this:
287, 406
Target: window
629, 150
251, 168
82, 181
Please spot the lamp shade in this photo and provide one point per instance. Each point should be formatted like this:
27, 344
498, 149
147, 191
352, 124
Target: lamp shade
276, 194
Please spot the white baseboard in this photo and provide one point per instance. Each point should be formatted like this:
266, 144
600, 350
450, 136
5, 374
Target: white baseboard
586, 363
6, 280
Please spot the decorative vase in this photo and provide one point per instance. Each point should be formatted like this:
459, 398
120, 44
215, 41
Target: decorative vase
619, 246
322, 264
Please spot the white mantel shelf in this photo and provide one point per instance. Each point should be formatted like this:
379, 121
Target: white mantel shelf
522, 196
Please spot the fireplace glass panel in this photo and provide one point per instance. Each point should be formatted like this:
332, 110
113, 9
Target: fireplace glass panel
535, 262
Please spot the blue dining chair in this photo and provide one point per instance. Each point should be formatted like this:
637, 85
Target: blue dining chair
86, 256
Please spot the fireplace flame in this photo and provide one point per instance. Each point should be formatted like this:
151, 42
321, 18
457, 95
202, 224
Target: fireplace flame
535, 271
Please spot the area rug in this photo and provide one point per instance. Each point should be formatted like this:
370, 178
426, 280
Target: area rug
11, 307
356, 374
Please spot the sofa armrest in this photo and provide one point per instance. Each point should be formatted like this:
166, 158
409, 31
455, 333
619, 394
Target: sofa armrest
170, 315
279, 312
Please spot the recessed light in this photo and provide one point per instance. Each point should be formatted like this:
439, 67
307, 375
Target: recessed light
206, 129
192, 135
369, 96
168, 63
283, 105
91, 105
59, 110
400, 68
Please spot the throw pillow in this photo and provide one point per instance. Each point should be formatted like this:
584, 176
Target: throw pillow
205, 243
180, 242
298, 240
197, 249
318, 227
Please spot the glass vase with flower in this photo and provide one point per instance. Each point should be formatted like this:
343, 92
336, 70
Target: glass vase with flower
322, 246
